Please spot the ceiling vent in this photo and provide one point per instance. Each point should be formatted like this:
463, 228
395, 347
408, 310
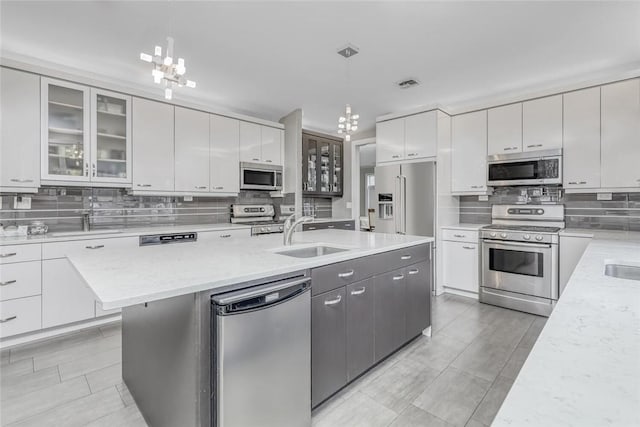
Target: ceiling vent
348, 51
406, 84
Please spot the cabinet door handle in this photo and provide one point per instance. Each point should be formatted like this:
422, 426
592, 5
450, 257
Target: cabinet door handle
93, 169
400, 277
331, 226
224, 236
20, 180
468, 247
269, 161
405, 257
507, 149
311, 228
8, 282
347, 274
333, 301
395, 156
412, 272
582, 182
573, 182
7, 255
459, 235
143, 185
534, 145
359, 291
201, 187
412, 154
256, 160
95, 247
218, 188
86, 169
6, 319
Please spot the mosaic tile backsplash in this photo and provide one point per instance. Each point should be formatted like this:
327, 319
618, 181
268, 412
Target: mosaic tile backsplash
581, 210
62, 208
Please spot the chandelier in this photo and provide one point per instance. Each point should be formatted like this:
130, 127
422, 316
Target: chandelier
348, 123
167, 72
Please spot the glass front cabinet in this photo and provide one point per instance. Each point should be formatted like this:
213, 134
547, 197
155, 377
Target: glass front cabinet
321, 166
86, 135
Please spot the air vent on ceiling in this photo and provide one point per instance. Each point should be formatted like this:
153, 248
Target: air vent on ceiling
406, 84
348, 51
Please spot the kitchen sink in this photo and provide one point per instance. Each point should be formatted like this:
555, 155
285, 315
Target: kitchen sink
84, 233
310, 251
622, 271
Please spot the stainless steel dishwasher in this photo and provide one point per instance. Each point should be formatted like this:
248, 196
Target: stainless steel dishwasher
262, 355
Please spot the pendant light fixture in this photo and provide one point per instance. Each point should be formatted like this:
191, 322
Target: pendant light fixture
348, 123
165, 71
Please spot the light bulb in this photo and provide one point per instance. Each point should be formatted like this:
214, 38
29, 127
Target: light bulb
181, 62
191, 83
354, 128
355, 116
158, 51
167, 93
347, 137
348, 109
146, 57
168, 60
340, 131
348, 126
157, 76
340, 126
180, 70
341, 119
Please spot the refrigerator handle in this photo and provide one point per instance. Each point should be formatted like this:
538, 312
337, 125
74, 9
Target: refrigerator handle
404, 204
397, 205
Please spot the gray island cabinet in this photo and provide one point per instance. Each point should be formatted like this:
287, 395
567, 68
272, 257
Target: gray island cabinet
361, 311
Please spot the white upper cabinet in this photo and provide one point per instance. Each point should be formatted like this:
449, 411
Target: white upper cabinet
542, 124
421, 135
621, 134
225, 155
66, 124
389, 141
191, 151
250, 141
271, 145
110, 137
20, 131
469, 153
153, 147
581, 148
504, 129
407, 138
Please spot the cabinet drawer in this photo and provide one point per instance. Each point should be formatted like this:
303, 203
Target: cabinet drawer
20, 253
329, 277
223, 235
388, 261
21, 315
455, 235
20, 280
62, 249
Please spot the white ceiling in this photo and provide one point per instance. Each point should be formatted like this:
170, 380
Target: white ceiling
268, 58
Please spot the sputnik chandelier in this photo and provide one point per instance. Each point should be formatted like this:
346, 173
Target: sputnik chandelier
166, 71
348, 123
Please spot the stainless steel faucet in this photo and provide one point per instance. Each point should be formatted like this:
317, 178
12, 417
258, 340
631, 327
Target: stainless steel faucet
86, 222
290, 227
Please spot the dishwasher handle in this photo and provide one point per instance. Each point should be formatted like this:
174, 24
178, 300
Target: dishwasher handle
259, 297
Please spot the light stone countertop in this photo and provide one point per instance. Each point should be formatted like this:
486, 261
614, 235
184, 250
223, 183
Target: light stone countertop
125, 232
122, 278
320, 220
602, 234
584, 370
463, 226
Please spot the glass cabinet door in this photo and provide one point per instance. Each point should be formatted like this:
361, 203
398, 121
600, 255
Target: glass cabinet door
111, 137
324, 147
309, 170
336, 157
65, 131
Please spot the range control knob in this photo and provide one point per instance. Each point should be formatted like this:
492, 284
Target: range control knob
526, 237
503, 235
538, 237
540, 211
264, 229
493, 234
281, 228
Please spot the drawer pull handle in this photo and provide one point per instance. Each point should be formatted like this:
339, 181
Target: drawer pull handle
269, 161
347, 274
534, 145
468, 247
143, 185
400, 277
218, 188
459, 235
359, 291
256, 160
412, 272
7, 255
7, 319
201, 187
20, 180
333, 301
8, 282
405, 257
311, 228
224, 236
95, 247
331, 226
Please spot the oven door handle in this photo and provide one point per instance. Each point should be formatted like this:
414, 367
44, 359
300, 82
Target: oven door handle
521, 245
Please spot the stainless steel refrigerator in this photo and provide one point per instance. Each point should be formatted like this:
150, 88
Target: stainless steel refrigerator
406, 199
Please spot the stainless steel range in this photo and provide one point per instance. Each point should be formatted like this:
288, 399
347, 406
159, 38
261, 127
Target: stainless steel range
520, 257
260, 217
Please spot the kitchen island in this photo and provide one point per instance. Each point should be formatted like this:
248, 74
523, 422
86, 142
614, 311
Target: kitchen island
172, 358
584, 369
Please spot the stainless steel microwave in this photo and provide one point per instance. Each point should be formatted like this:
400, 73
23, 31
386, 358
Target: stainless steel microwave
258, 176
529, 168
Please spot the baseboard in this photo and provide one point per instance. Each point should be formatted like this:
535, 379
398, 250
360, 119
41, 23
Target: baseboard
460, 292
42, 335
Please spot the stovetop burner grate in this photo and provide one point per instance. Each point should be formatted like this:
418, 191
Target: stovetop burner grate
531, 228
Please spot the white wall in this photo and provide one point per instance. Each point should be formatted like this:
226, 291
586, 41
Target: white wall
293, 156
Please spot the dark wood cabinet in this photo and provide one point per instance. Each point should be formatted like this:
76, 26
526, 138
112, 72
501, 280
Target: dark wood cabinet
322, 166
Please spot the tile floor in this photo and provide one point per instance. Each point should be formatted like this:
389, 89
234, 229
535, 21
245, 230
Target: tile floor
459, 377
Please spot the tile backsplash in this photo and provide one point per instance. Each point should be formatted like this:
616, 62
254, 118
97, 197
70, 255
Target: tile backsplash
62, 208
581, 210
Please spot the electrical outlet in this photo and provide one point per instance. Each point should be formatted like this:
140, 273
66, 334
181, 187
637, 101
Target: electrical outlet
188, 198
604, 196
22, 202
483, 198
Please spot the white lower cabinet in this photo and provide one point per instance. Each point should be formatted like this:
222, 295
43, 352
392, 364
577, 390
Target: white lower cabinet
65, 296
21, 315
461, 260
20, 279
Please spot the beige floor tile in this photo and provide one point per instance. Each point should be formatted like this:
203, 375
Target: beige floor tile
358, 410
39, 401
488, 408
53, 345
453, 396
416, 417
105, 377
111, 329
128, 416
125, 394
533, 332
515, 362
483, 359
19, 368
436, 352
82, 366
465, 329
19, 385
86, 349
